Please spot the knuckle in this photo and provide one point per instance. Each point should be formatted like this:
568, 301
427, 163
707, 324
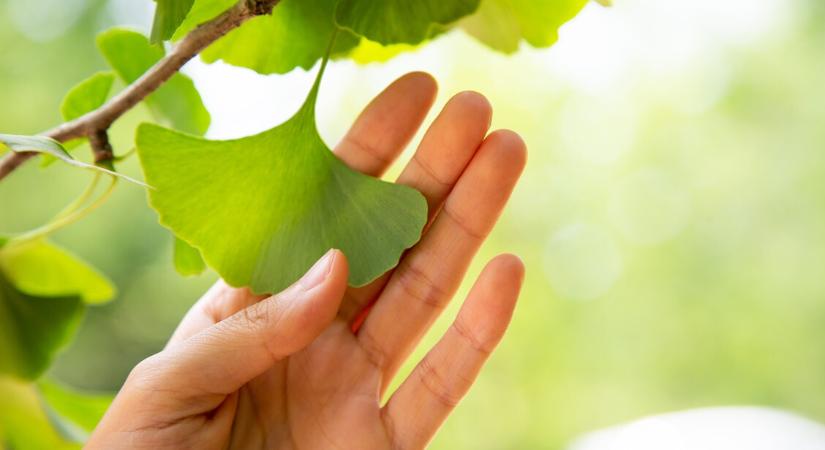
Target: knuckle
437, 385
418, 285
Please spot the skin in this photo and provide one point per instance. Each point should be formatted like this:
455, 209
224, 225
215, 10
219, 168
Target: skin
307, 368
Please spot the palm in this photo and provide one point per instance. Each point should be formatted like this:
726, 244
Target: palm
321, 397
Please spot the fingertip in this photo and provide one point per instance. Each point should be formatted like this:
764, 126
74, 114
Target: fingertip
421, 82
509, 147
509, 265
473, 104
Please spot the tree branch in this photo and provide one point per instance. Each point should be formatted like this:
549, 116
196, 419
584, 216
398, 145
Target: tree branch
93, 123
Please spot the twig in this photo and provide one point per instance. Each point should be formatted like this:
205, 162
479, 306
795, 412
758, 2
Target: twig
92, 123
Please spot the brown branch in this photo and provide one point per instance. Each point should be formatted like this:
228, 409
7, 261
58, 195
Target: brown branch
92, 123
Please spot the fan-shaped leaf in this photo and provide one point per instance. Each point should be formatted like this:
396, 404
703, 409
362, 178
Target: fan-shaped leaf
262, 209
33, 329
400, 21
43, 269
87, 95
502, 24
296, 34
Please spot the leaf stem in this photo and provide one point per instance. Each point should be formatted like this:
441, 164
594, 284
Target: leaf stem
62, 220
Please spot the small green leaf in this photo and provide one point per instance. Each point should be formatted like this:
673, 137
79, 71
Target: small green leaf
502, 24
262, 209
177, 102
33, 329
42, 269
296, 34
188, 260
81, 410
400, 21
169, 14
24, 424
48, 146
87, 96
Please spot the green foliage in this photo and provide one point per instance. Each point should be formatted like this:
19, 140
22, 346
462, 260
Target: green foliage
48, 146
73, 410
502, 24
40, 268
284, 199
400, 21
188, 260
87, 95
43, 290
296, 34
177, 102
169, 14
33, 329
24, 423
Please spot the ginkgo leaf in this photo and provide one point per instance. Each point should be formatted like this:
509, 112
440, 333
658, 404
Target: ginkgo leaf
24, 423
188, 260
262, 209
75, 413
296, 34
176, 102
86, 96
503, 24
169, 14
400, 21
33, 329
48, 146
42, 269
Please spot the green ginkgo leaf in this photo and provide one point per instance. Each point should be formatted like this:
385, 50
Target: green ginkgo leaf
48, 146
262, 209
86, 96
176, 102
503, 24
24, 423
33, 329
169, 14
400, 21
43, 294
73, 413
296, 34
42, 269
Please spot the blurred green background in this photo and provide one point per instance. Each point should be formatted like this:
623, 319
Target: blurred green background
672, 215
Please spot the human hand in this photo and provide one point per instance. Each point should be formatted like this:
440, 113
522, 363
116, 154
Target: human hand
307, 368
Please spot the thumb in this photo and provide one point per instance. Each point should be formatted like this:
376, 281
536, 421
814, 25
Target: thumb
227, 355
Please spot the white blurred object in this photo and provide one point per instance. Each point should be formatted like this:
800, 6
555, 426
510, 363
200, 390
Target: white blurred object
722, 428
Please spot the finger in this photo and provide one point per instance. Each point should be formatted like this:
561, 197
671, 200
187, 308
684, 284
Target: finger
388, 124
446, 149
222, 358
220, 302
440, 381
430, 274
448, 146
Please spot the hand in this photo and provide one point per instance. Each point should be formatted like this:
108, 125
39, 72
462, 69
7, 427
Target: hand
307, 368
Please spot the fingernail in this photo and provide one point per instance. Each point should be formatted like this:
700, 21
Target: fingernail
319, 272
